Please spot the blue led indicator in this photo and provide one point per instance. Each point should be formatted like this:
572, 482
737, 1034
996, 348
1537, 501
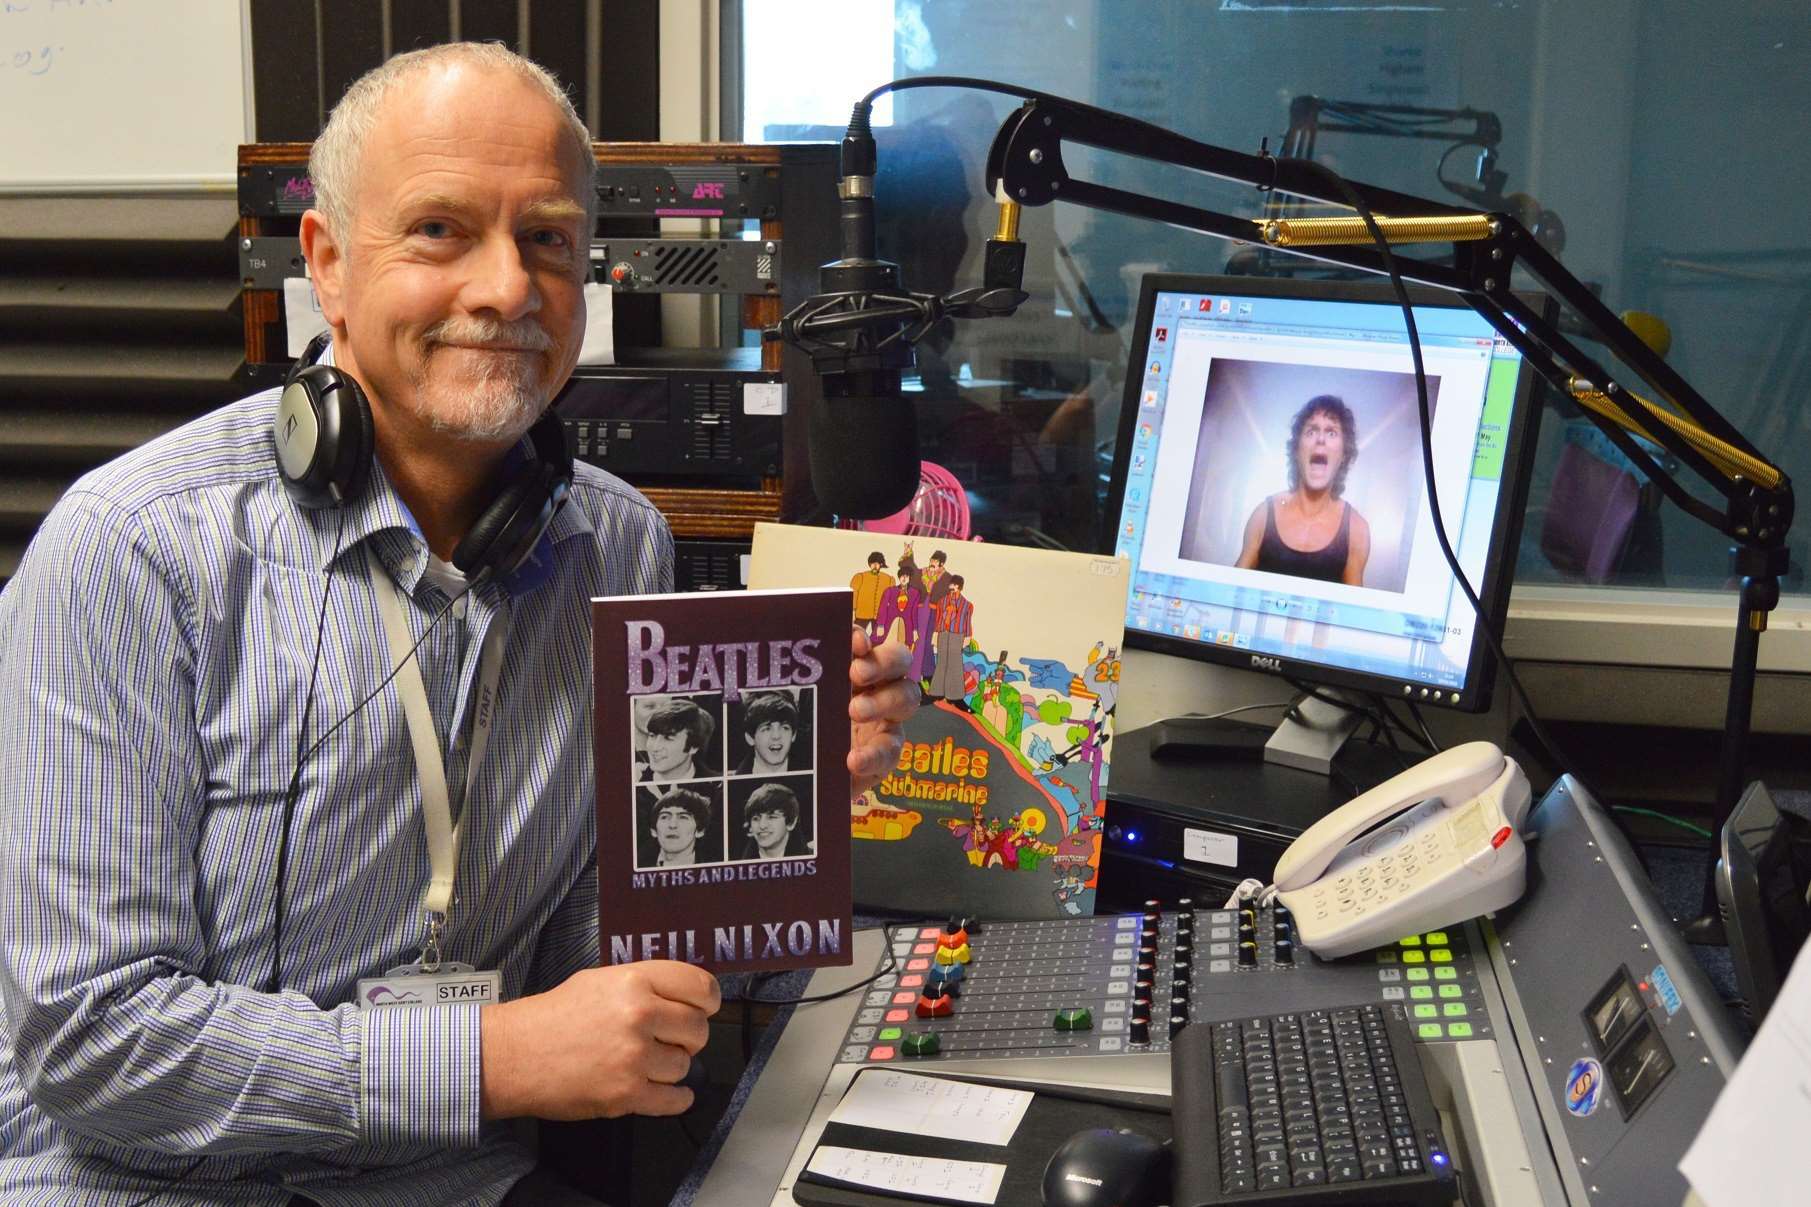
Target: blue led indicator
1438, 1158
1131, 835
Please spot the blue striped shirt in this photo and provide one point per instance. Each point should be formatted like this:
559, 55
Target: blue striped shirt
155, 650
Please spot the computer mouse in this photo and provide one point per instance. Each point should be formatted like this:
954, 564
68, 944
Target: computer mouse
1108, 1167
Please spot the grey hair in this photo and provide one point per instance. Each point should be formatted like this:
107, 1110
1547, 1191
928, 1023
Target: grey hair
333, 162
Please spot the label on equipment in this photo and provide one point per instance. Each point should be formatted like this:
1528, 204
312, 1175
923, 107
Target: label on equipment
1208, 846
764, 398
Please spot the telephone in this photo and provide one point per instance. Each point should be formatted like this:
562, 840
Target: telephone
1451, 850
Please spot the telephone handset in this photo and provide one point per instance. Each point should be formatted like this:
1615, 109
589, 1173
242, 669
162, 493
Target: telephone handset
1436, 845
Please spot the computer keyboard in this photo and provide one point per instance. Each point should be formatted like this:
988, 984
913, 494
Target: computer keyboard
1319, 1105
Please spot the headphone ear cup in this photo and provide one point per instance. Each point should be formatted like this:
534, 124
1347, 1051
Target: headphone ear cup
508, 530
324, 437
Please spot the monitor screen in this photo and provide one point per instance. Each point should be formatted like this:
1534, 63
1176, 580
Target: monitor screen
1268, 483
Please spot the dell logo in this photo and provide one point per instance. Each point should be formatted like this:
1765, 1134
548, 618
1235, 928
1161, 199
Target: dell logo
1264, 663
707, 192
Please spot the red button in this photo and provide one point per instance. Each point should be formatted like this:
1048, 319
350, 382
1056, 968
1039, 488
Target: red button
929, 932
1501, 836
881, 1053
938, 1007
911, 982
904, 999
898, 1016
917, 965
924, 949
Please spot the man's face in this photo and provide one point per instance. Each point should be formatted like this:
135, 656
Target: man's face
456, 293
956, 590
773, 743
675, 829
770, 829
669, 752
1320, 450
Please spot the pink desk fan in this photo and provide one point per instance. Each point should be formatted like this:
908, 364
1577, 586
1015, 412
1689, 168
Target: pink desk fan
940, 508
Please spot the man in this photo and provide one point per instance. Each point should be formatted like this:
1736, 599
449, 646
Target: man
679, 734
680, 818
771, 818
869, 585
955, 624
180, 632
771, 725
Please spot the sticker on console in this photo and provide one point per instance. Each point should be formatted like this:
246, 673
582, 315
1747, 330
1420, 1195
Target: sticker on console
1663, 986
1584, 1087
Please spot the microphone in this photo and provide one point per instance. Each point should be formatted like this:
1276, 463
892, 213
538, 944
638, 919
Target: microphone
859, 331
863, 434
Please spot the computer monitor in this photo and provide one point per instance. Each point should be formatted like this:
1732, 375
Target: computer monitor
1268, 483
1761, 881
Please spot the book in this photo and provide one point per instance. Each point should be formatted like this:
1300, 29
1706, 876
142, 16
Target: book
996, 807
722, 745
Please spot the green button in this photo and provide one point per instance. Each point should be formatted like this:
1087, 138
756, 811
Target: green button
1417, 974
1452, 991
1432, 1030
1415, 957
1446, 974
921, 1043
1459, 1030
1421, 992
890, 1033
1075, 1019
1386, 957
1436, 938
1428, 1011
1440, 955
1411, 941
1453, 1009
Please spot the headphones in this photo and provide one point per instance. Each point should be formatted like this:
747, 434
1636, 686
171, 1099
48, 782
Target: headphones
325, 440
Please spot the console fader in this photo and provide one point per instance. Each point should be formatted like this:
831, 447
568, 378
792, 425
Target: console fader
1121, 986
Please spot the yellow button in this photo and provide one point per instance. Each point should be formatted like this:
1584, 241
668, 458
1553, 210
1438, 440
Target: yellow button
1436, 938
1421, 992
1453, 1009
1451, 991
1432, 1030
945, 956
1417, 957
1427, 1011
962, 954
1459, 1030
1439, 955
1420, 974
1411, 941
1446, 974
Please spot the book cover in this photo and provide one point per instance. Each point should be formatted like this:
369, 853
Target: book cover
996, 807
722, 741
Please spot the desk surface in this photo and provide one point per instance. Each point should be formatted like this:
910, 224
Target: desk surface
756, 1162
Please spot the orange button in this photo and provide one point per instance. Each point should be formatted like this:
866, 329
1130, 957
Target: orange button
884, 1052
904, 999
898, 1016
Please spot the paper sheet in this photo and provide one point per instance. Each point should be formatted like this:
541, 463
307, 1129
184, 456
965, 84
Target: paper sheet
1742, 1154
917, 1177
599, 347
933, 1106
302, 319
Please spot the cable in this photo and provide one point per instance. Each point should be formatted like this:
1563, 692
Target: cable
295, 777
1700, 831
892, 965
1358, 203
1426, 733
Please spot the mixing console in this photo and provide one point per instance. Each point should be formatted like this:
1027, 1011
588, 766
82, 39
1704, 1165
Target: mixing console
1122, 985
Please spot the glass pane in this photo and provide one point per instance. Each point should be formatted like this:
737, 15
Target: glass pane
1659, 144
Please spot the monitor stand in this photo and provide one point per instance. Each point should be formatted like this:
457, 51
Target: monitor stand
1307, 740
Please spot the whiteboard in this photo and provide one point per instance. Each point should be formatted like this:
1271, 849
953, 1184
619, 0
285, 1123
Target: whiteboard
122, 95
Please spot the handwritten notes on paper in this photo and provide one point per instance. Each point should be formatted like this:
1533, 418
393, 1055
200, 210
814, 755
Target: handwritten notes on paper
917, 1177
933, 1106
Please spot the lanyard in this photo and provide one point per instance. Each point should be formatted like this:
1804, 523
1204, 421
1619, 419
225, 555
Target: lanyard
436, 808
